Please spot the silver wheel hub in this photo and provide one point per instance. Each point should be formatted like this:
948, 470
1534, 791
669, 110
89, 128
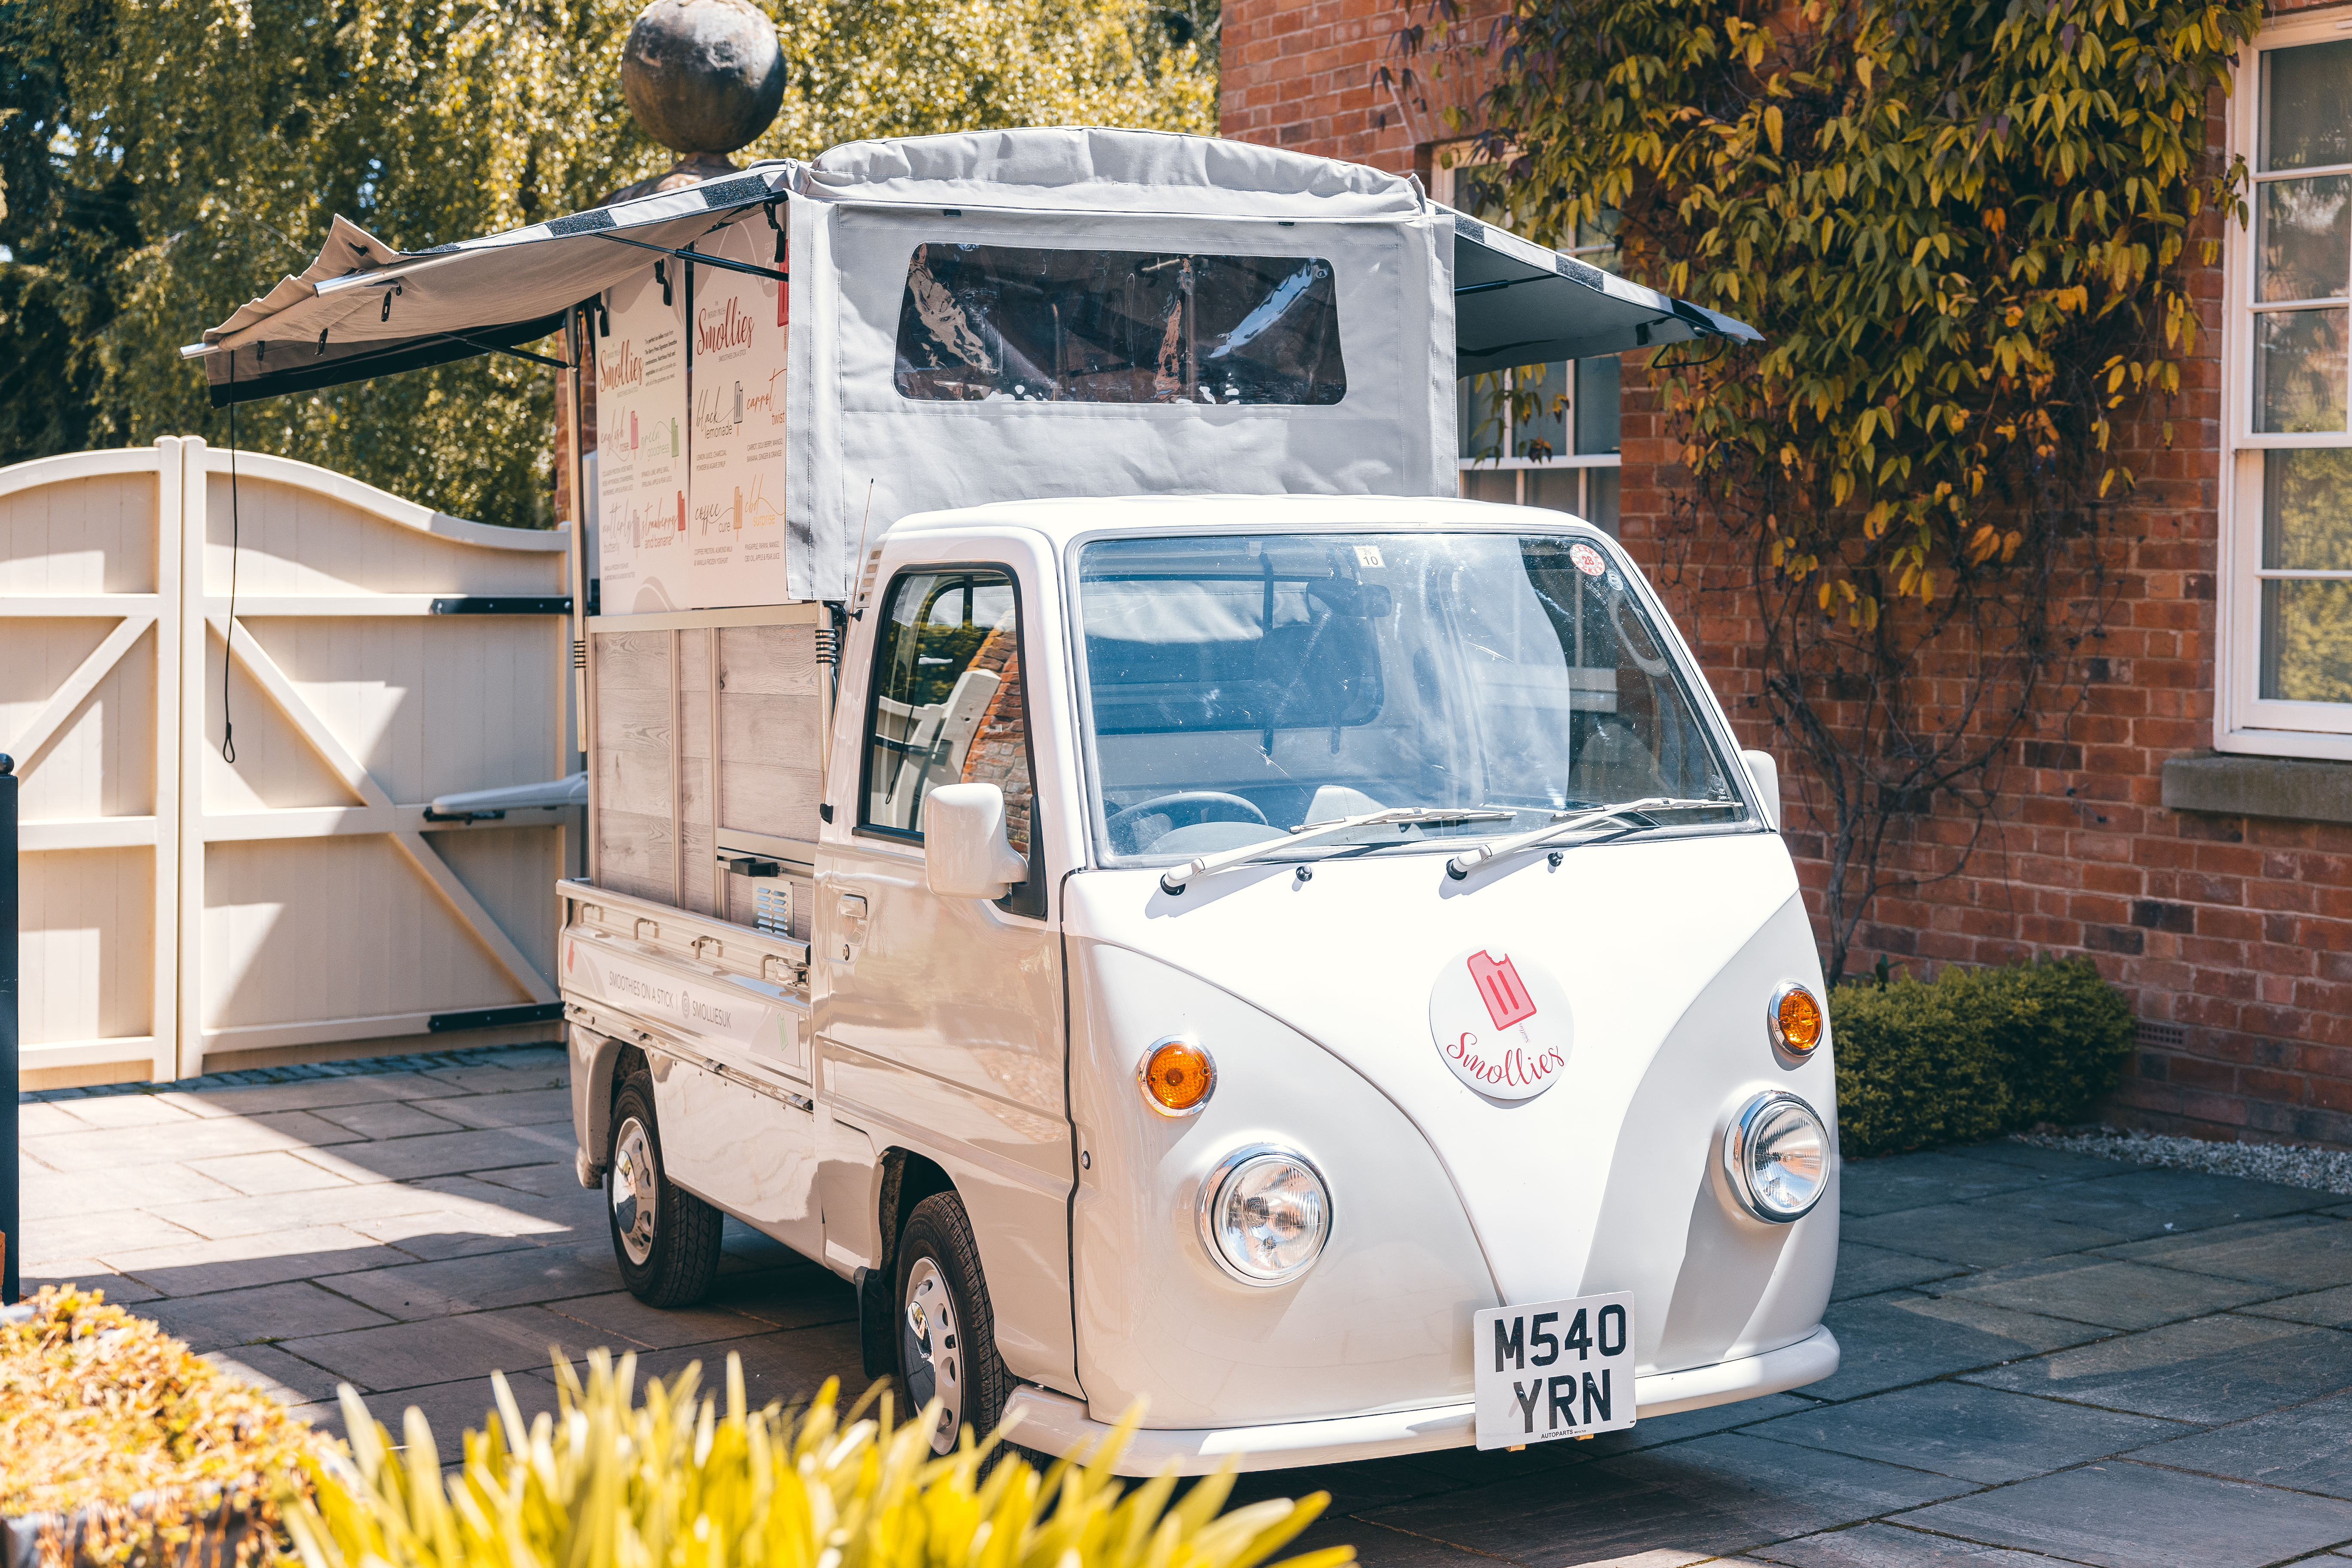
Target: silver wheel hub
631, 1188
934, 1351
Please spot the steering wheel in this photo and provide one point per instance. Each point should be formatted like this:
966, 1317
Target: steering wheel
1182, 809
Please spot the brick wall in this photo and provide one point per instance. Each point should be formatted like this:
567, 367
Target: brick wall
2233, 935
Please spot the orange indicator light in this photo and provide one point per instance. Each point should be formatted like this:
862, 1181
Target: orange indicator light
1796, 1020
1178, 1076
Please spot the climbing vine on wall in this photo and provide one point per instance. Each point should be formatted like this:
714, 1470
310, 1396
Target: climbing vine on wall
1967, 230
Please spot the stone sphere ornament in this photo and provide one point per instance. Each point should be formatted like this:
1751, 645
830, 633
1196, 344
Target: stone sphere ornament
703, 76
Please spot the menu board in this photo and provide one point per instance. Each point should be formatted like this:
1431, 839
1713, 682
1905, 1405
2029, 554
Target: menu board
735, 496
641, 443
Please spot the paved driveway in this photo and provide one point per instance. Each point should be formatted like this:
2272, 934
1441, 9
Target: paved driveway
2046, 1356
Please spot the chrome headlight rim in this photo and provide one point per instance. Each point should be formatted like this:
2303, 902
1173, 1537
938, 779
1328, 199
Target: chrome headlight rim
1739, 1138
1213, 1192
1790, 1055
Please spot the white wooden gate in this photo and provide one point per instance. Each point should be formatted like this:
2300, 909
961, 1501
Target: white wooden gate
183, 912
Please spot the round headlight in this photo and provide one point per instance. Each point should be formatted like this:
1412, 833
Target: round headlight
1793, 1019
1265, 1213
1777, 1153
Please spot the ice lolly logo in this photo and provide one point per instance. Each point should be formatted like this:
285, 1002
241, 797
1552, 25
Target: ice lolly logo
1507, 1002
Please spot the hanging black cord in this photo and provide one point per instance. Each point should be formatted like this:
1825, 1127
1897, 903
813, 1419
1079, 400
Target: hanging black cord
228, 640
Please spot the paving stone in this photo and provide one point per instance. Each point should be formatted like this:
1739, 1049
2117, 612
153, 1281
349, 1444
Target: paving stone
501, 1079
2222, 1368
1688, 1423
547, 1179
276, 1172
404, 1355
124, 1112
1368, 1483
224, 1217
1378, 1546
311, 1094
788, 1298
200, 1268
1887, 1340
188, 1137
2093, 1289
1920, 1181
527, 1108
53, 1235
618, 1315
2307, 1448
449, 1153
2123, 1515
1686, 1500
450, 1410
572, 1207
474, 1284
1982, 1235
2302, 1251
2330, 1308
2153, 1202
263, 1314
440, 1233
390, 1117
2033, 1157
1865, 1270
1891, 1546
1960, 1429
40, 1117
45, 1192
790, 1367
287, 1378
86, 1274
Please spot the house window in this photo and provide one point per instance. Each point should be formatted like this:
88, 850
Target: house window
1566, 456
2286, 676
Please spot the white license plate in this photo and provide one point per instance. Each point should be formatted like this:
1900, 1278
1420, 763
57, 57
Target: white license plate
1553, 1368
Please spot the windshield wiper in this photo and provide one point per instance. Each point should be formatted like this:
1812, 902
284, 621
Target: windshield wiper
1172, 881
1564, 824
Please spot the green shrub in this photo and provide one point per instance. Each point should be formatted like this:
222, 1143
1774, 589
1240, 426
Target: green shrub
674, 1483
1975, 1053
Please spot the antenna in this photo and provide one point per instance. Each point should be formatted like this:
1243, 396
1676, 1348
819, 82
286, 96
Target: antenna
864, 566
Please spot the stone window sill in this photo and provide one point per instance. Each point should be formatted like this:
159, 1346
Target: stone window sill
2231, 784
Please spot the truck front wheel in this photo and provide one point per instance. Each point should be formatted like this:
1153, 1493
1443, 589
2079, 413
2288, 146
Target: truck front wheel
665, 1238
946, 1330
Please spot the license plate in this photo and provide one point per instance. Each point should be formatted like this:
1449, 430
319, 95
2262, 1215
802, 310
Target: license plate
1553, 1370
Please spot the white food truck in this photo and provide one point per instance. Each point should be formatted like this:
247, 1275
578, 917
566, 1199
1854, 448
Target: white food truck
1092, 842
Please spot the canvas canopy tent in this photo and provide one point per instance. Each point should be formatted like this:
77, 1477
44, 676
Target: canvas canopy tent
986, 316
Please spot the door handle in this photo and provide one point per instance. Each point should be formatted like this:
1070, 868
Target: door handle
851, 910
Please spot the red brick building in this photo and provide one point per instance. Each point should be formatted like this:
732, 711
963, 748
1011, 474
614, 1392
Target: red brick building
2188, 826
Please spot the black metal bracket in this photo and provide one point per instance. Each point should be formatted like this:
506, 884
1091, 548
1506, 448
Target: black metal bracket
701, 261
496, 1017
433, 816
503, 604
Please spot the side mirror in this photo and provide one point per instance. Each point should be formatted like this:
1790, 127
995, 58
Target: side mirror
965, 852
1766, 774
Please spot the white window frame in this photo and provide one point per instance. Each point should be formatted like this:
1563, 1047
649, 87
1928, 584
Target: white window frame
1443, 160
2243, 719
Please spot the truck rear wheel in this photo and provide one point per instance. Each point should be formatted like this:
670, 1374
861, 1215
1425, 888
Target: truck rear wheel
946, 1330
665, 1238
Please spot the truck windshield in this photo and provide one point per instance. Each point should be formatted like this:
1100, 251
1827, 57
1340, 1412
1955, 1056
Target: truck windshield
1241, 687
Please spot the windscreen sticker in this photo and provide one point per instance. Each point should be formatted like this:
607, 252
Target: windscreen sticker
1587, 560
1500, 1023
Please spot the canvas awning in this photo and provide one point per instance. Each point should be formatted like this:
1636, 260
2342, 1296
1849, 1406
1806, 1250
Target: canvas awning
1516, 303
364, 309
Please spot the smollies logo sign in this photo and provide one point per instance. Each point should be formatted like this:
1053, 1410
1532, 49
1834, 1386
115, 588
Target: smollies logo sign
1500, 1023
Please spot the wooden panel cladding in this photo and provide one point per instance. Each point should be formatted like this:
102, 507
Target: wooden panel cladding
769, 778
636, 705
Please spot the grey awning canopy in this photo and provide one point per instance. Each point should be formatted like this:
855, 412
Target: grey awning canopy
364, 309
1516, 303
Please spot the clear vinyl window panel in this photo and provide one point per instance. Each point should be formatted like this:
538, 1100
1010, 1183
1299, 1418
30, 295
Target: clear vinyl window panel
1239, 686
947, 699
982, 322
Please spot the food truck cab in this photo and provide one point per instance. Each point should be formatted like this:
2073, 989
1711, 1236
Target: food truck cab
1094, 844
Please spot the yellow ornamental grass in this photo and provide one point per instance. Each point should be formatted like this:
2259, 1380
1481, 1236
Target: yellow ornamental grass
675, 1483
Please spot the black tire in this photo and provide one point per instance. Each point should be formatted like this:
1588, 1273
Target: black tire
668, 1258
949, 1354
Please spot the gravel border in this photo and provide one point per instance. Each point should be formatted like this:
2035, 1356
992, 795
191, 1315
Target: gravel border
2289, 1165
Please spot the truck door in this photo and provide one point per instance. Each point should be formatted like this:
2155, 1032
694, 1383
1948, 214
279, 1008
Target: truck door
939, 1020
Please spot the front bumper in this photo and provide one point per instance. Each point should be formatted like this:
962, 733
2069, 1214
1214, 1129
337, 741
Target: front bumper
1056, 1424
